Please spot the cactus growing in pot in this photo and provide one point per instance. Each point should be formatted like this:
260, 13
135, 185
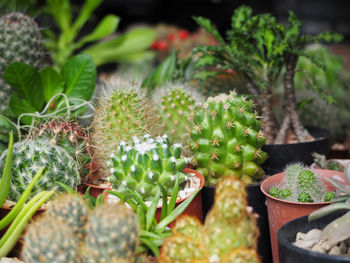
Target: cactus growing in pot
146, 162
226, 139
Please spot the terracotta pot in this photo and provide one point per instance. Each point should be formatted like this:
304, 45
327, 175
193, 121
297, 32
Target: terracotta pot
282, 211
96, 190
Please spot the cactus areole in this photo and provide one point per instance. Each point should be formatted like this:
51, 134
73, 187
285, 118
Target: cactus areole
226, 139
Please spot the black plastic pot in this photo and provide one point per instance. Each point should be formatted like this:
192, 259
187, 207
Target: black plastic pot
288, 253
256, 199
280, 155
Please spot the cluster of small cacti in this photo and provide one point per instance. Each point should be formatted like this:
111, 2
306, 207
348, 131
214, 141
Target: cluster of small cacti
20, 40
70, 136
176, 103
122, 112
29, 156
69, 232
142, 164
228, 235
226, 139
301, 184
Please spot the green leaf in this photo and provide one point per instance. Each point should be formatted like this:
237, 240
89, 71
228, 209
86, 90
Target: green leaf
151, 246
25, 80
79, 73
66, 188
207, 25
107, 26
327, 210
173, 197
152, 210
164, 211
52, 83
5, 179
19, 106
61, 11
100, 200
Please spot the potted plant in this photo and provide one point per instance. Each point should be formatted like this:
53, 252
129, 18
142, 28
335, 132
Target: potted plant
296, 192
260, 49
329, 224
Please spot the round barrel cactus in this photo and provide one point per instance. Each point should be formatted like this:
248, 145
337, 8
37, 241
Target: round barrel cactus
146, 162
29, 156
226, 139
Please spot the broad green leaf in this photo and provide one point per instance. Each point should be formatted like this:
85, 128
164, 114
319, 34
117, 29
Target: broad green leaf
79, 73
107, 26
327, 210
205, 60
19, 106
207, 25
25, 80
240, 16
51, 82
61, 11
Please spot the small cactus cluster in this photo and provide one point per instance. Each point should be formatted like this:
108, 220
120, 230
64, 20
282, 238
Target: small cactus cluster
123, 111
144, 163
29, 156
226, 139
301, 184
70, 136
175, 104
20, 40
228, 235
69, 232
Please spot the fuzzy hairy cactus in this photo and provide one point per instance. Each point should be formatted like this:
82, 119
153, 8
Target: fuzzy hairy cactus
112, 234
29, 156
70, 136
225, 235
226, 139
71, 210
144, 163
122, 112
175, 104
48, 240
20, 40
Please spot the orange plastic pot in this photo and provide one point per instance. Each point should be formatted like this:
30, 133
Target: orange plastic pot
282, 211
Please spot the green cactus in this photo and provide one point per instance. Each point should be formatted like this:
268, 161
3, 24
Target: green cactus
226, 139
20, 40
305, 197
144, 163
275, 192
70, 136
241, 255
71, 210
189, 226
28, 156
329, 196
122, 112
175, 103
48, 240
112, 233
285, 193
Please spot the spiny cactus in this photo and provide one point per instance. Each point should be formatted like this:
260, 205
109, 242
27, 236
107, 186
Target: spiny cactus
28, 156
226, 139
70, 136
175, 104
123, 111
20, 40
71, 210
48, 240
146, 162
112, 233
232, 235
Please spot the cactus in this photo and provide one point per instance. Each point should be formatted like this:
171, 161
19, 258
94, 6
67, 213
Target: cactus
20, 40
28, 156
226, 139
123, 111
175, 104
71, 210
241, 255
48, 240
70, 136
112, 233
144, 163
223, 232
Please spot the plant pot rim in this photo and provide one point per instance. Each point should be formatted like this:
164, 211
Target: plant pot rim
263, 187
307, 252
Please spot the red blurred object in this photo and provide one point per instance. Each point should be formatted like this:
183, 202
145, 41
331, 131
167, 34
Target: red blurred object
162, 45
183, 34
154, 45
171, 37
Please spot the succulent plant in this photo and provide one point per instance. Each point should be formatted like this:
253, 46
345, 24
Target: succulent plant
28, 156
20, 40
175, 104
71, 210
226, 139
122, 112
224, 235
112, 233
140, 166
70, 136
49, 240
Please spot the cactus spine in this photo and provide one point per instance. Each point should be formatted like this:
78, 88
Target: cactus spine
226, 139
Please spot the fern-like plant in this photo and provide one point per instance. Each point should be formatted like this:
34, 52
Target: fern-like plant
258, 48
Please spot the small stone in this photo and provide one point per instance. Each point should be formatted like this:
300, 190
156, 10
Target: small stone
343, 247
326, 244
318, 248
348, 252
309, 239
335, 251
